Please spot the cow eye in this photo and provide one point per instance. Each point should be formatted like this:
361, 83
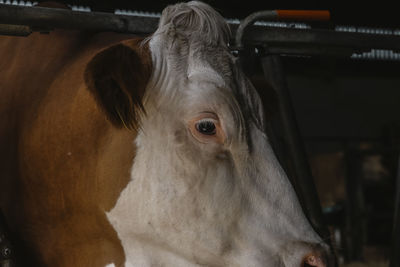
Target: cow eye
206, 127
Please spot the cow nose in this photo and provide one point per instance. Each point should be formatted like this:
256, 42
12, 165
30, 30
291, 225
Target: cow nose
317, 258
313, 260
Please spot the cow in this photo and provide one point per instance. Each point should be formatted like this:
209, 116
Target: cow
127, 151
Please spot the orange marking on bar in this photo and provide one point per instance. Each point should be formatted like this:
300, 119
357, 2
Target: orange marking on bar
305, 15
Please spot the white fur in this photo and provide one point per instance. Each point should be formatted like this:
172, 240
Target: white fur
195, 204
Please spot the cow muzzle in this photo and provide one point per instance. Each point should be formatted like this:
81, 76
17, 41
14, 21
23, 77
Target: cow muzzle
318, 257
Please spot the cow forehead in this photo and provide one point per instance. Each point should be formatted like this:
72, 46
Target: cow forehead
206, 75
191, 34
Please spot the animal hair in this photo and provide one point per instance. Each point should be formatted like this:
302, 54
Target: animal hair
195, 21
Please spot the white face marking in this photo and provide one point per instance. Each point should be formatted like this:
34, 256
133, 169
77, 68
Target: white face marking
195, 201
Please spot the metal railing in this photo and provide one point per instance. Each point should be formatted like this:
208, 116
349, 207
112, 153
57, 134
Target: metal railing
23, 20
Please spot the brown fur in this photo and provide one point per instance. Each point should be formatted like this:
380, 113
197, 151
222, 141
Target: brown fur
63, 164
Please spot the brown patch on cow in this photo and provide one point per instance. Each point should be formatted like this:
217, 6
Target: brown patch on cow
62, 163
117, 77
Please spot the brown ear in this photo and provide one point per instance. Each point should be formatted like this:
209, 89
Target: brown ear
117, 77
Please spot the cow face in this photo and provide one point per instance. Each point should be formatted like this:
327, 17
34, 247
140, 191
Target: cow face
206, 188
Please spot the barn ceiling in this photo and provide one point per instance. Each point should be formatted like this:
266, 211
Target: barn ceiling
367, 13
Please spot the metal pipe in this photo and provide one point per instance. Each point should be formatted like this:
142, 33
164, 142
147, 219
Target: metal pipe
303, 182
292, 38
304, 15
43, 17
395, 254
283, 40
249, 20
355, 210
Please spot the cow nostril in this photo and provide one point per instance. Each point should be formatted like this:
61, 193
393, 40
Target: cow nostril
313, 260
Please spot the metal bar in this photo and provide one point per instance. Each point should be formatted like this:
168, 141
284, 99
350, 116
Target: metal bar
395, 257
304, 184
305, 15
310, 50
355, 207
287, 37
279, 38
249, 21
43, 17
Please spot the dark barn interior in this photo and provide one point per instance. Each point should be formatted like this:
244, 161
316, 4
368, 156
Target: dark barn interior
347, 110
348, 117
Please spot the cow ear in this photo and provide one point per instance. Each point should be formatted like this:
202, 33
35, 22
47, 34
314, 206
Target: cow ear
117, 78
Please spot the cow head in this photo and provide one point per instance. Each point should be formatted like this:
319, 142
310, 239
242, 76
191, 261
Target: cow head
206, 187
